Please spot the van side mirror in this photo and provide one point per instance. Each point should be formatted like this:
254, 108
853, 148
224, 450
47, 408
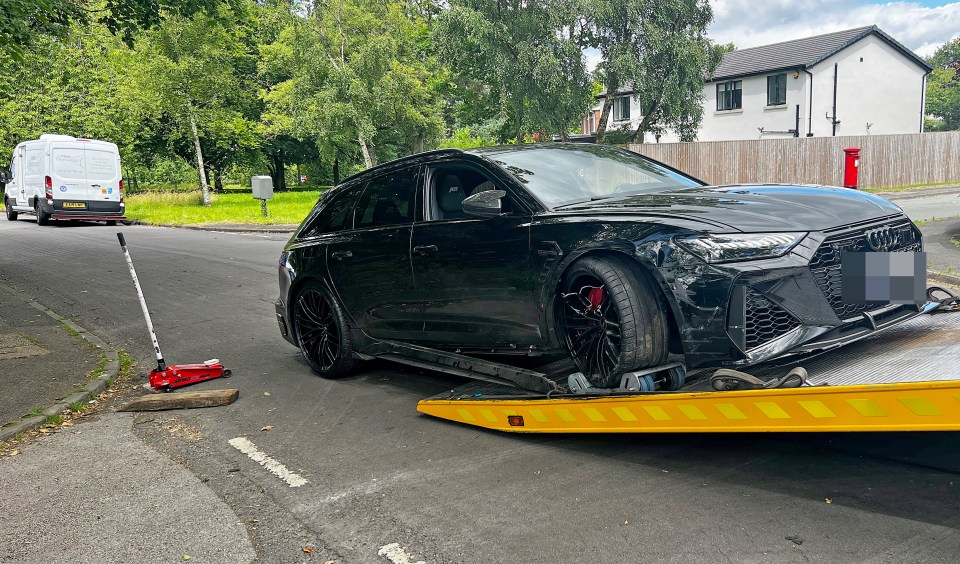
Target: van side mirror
484, 204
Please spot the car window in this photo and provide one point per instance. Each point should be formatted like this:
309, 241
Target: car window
387, 200
451, 184
335, 214
570, 174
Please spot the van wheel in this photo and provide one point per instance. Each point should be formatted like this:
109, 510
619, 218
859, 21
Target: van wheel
43, 218
11, 215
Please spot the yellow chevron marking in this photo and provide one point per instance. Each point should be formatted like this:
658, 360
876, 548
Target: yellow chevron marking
817, 409
594, 415
538, 416
692, 412
867, 408
488, 415
772, 410
565, 415
466, 415
920, 406
730, 411
657, 412
624, 414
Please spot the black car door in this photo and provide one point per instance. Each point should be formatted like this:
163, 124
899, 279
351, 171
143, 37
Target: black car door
370, 264
473, 276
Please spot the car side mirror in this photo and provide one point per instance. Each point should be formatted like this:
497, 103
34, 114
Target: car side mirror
484, 204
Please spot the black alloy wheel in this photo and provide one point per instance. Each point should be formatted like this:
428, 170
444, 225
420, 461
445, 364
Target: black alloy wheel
611, 320
322, 332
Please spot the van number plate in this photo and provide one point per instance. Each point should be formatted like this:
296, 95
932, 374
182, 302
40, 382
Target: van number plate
77, 205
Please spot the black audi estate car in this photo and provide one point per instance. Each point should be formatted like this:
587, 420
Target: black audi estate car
586, 250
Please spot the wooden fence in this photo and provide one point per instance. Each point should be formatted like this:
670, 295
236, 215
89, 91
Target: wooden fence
885, 160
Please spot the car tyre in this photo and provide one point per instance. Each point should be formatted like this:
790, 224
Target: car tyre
323, 333
43, 218
611, 319
11, 215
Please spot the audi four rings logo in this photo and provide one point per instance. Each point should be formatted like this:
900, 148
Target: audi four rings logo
885, 238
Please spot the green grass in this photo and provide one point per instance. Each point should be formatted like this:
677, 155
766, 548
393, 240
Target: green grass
231, 206
54, 419
910, 187
77, 406
955, 241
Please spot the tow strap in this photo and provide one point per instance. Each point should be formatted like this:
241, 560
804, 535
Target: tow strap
948, 300
725, 380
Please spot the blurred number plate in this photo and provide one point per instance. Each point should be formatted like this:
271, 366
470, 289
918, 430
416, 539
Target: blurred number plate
76, 205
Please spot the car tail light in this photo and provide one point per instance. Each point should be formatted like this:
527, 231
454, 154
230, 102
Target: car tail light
48, 187
121, 191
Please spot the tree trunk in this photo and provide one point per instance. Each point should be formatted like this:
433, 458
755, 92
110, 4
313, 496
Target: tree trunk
336, 171
369, 157
196, 145
649, 119
299, 178
419, 143
604, 115
277, 173
217, 181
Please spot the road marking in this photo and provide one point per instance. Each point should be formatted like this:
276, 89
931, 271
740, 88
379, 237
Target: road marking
245, 446
396, 554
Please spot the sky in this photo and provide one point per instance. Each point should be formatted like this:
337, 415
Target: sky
920, 25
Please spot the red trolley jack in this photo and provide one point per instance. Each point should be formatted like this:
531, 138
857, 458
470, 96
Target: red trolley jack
165, 377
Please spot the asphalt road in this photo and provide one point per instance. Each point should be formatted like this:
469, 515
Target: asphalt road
928, 204
379, 473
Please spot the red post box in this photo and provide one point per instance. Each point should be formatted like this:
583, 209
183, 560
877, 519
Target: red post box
851, 167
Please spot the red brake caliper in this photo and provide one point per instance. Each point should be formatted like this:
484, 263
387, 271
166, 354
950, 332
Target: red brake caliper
595, 296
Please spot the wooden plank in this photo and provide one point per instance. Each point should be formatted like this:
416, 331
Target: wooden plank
183, 400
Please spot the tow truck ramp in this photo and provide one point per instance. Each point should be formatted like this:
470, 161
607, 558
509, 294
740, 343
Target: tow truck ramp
906, 378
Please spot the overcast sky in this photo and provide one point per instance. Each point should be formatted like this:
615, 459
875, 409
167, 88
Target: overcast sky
921, 25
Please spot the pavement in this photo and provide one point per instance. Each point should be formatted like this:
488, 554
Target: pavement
101, 493
94, 492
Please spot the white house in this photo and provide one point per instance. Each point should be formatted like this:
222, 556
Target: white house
854, 82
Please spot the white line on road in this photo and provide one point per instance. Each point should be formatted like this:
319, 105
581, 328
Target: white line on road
245, 446
396, 554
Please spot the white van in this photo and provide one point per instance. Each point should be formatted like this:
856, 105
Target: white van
62, 177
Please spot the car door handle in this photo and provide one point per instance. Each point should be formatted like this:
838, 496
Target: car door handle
340, 255
425, 249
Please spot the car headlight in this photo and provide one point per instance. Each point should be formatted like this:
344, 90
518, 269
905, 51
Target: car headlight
715, 248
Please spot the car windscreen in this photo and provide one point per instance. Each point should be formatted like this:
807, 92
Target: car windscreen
565, 175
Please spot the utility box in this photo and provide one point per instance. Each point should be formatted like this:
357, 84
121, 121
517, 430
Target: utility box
262, 187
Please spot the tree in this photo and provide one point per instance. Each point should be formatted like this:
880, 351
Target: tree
660, 51
943, 87
23, 21
362, 79
198, 72
526, 57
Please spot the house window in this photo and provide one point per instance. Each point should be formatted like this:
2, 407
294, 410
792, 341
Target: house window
729, 95
776, 89
621, 108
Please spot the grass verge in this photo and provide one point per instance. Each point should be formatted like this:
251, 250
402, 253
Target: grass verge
186, 208
904, 187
